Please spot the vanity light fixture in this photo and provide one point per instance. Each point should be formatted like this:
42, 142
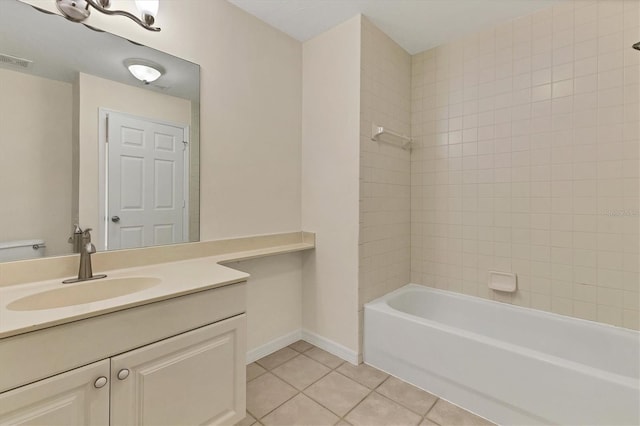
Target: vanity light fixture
78, 11
143, 70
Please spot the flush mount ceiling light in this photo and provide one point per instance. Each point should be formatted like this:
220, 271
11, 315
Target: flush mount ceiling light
78, 11
143, 70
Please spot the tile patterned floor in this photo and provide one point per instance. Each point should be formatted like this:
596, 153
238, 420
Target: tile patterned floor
304, 385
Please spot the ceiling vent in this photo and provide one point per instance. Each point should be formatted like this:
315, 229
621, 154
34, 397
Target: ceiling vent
15, 61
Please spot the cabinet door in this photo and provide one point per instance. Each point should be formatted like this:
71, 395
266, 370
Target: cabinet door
71, 398
194, 378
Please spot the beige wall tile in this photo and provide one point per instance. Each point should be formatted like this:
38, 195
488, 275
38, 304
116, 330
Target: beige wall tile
385, 178
549, 138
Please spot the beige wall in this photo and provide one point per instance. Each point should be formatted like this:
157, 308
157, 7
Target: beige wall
35, 160
527, 161
250, 124
330, 169
385, 178
273, 300
96, 93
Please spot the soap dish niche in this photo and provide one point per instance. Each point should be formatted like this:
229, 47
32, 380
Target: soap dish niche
503, 281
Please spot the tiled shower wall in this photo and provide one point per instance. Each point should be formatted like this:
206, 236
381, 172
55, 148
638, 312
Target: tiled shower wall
526, 160
385, 180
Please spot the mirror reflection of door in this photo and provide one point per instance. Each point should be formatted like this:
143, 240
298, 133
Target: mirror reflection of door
146, 183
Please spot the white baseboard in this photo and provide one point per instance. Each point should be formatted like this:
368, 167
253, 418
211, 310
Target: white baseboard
313, 338
274, 345
330, 346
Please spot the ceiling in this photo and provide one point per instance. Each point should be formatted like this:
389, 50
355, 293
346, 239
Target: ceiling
416, 25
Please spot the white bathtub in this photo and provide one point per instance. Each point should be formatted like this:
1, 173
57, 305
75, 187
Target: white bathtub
508, 364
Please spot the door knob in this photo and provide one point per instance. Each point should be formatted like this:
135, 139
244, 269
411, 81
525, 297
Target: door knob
115, 219
100, 382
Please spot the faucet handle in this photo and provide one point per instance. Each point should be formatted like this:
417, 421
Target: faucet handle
86, 235
89, 248
86, 239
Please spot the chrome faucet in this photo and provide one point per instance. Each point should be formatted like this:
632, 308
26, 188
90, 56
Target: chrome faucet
85, 272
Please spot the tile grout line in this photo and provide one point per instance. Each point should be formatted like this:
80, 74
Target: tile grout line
349, 378
365, 397
401, 404
333, 369
281, 404
298, 392
354, 407
431, 408
316, 381
278, 406
267, 370
306, 387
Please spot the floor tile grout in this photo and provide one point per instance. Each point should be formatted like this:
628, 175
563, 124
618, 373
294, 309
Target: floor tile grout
267, 370
355, 406
318, 402
329, 372
370, 391
340, 418
429, 410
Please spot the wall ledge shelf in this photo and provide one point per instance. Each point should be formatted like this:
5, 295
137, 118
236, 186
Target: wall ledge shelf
223, 251
386, 135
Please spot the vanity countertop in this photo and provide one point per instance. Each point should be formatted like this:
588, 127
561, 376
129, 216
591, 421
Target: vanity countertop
178, 278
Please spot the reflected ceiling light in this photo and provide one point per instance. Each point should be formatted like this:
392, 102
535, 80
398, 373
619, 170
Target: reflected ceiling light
78, 11
143, 70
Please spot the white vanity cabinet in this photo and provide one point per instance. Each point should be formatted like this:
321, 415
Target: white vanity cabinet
193, 379
76, 398
179, 361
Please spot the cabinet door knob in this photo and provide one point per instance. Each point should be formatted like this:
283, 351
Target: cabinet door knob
100, 382
123, 374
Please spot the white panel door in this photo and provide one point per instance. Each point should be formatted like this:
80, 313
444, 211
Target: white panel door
195, 378
70, 398
146, 182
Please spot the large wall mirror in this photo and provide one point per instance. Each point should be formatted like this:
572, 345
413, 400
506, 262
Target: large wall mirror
85, 142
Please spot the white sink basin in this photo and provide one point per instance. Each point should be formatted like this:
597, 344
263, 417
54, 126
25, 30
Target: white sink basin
86, 292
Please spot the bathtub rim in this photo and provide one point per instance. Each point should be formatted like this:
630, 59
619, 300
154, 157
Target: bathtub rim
383, 300
381, 305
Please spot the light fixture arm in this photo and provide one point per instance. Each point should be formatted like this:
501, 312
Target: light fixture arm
78, 11
148, 19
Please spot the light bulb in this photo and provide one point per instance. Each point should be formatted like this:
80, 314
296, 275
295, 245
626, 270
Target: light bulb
148, 7
144, 73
